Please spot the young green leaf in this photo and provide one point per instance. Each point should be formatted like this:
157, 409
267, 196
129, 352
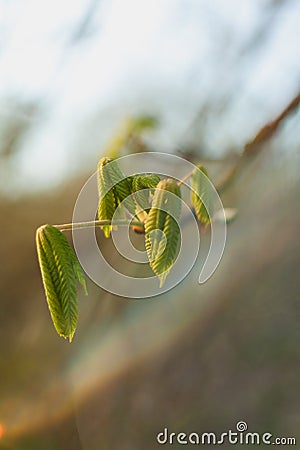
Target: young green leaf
140, 182
107, 200
122, 186
162, 229
201, 195
113, 189
60, 269
79, 273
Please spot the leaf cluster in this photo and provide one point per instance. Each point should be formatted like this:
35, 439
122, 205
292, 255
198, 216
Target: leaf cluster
154, 202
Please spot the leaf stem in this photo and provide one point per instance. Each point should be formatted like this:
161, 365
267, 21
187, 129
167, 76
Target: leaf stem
93, 223
186, 177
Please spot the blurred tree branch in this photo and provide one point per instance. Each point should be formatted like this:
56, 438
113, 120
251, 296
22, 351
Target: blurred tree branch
83, 27
268, 130
255, 145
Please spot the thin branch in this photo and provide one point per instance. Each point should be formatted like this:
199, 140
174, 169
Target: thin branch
94, 223
82, 28
186, 177
268, 130
255, 145
252, 147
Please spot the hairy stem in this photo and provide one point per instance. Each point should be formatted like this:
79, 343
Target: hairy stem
94, 223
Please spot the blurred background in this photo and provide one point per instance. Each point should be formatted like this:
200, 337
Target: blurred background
198, 79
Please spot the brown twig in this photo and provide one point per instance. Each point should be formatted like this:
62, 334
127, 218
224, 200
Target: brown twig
254, 145
268, 130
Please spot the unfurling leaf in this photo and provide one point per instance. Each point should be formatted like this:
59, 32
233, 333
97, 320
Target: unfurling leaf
140, 182
201, 195
162, 229
113, 189
107, 200
121, 186
60, 269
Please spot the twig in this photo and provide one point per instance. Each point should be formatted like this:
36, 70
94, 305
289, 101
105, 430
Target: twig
94, 223
186, 177
255, 144
268, 130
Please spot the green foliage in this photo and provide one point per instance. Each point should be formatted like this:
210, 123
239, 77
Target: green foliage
107, 202
140, 182
155, 208
60, 270
129, 134
162, 229
201, 195
145, 181
122, 186
144, 122
113, 188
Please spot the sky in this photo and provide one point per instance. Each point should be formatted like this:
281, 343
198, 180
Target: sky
170, 58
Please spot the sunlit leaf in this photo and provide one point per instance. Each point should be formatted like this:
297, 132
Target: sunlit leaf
113, 189
141, 182
121, 185
60, 269
201, 195
162, 229
107, 201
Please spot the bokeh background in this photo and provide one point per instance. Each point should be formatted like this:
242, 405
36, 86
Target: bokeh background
82, 79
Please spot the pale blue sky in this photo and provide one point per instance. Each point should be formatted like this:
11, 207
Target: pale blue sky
167, 57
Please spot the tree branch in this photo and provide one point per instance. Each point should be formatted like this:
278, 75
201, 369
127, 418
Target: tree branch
268, 130
255, 145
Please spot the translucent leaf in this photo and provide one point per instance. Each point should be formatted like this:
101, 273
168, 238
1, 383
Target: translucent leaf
201, 195
141, 182
107, 200
79, 273
113, 189
60, 269
164, 216
121, 186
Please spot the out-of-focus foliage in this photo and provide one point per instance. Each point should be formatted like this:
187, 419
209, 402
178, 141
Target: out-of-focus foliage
202, 70
129, 135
